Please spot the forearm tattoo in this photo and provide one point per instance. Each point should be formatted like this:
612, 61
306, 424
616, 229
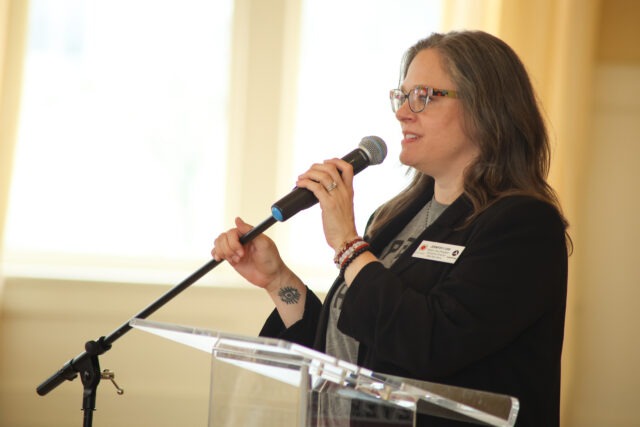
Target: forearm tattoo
289, 295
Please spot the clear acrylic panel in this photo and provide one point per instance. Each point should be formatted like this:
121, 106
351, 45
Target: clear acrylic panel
267, 382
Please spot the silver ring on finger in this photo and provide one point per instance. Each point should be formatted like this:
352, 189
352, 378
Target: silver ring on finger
331, 186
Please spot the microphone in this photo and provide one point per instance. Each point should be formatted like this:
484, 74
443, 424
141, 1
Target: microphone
371, 151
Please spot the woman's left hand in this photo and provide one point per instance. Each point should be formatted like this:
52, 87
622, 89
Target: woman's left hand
332, 184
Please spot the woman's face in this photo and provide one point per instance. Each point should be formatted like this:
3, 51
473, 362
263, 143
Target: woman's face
433, 140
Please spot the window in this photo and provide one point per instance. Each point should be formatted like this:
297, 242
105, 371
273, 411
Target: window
350, 59
120, 169
121, 142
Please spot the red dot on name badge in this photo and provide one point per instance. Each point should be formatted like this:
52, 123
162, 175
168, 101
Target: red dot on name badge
423, 247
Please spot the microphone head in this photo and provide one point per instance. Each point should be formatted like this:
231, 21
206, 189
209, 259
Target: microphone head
375, 149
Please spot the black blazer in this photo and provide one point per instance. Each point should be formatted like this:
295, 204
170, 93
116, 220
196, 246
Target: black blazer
493, 320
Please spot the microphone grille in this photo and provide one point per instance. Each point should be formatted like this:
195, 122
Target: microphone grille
375, 148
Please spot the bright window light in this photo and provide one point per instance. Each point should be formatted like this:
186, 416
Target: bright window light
122, 138
350, 59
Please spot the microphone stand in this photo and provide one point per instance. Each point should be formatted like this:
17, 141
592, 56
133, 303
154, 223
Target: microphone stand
87, 364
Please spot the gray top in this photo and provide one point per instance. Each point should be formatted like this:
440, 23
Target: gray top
343, 346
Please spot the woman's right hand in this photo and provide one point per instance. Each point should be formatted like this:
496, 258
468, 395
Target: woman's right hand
258, 261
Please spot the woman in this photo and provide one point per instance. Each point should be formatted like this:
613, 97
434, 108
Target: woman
461, 278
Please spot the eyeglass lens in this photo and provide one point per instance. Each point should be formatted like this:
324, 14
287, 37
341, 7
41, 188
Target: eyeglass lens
418, 98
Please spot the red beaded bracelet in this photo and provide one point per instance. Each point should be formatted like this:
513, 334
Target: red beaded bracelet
349, 252
355, 254
345, 247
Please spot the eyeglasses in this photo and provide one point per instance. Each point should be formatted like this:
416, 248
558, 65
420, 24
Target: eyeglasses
418, 97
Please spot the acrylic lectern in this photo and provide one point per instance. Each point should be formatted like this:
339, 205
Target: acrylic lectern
268, 382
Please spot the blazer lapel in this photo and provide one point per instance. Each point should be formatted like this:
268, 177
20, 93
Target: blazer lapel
452, 218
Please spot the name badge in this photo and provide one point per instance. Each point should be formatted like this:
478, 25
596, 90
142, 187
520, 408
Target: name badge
435, 251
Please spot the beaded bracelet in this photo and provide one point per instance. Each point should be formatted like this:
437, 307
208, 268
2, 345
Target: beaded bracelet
361, 249
345, 247
349, 252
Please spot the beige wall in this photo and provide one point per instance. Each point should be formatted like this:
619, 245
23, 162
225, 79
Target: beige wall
43, 323
603, 388
607, 348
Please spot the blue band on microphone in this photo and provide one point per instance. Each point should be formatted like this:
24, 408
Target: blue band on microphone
276, 213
